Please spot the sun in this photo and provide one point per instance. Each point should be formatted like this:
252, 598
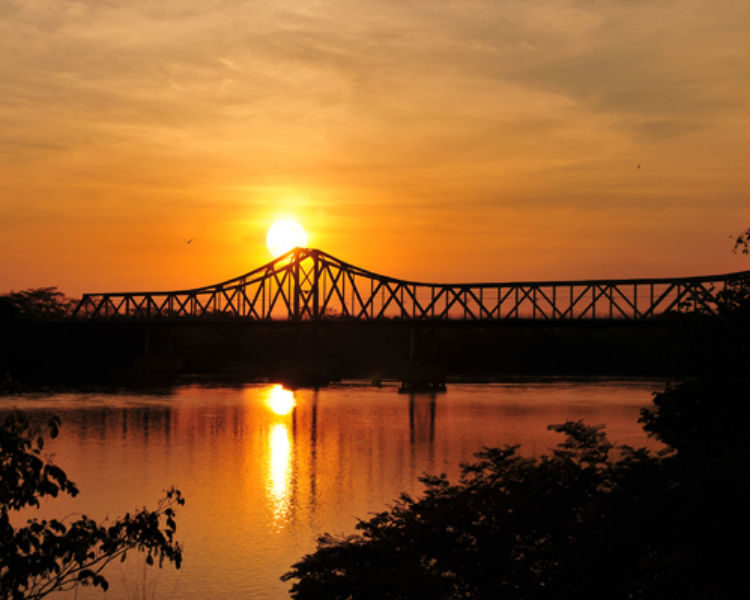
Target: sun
284, 235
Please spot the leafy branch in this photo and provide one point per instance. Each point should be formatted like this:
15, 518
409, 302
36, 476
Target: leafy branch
45, 556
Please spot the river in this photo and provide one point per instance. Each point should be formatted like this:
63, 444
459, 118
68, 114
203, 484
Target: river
265, 470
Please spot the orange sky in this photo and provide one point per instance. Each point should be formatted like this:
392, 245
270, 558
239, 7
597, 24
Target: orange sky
441, 140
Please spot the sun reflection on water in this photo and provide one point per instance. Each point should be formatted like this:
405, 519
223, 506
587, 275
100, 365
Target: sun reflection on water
279, 471
281, 402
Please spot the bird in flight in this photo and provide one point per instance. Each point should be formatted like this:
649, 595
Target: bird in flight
639, 166
190, 241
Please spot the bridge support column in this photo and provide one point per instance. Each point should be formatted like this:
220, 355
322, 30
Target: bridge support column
315, 290
421, 372
158, 352
295, 282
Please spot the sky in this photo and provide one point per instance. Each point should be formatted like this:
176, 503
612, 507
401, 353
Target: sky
431, 140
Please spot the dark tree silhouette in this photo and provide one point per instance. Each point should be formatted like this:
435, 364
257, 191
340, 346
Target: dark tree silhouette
37, 303
742, 243
44, 556
576, 524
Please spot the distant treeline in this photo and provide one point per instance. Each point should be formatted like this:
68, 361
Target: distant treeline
42, 345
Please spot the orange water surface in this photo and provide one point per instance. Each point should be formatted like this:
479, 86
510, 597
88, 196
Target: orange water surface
265, 470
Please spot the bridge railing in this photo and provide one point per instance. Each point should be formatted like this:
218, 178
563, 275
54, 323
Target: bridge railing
308, 284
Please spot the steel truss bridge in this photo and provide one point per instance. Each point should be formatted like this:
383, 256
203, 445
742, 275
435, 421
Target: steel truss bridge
309, 285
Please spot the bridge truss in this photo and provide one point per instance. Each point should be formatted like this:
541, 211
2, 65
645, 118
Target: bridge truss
308, 284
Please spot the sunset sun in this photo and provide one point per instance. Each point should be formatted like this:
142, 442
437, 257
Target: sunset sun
284, 235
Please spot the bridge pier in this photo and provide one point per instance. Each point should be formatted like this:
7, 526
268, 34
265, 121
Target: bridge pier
421, 372
158, 355
306, 365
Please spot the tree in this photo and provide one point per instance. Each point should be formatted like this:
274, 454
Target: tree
576, 524
44, 556
36, 303
742, 242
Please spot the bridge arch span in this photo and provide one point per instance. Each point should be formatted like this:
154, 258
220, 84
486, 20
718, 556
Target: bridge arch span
309, 284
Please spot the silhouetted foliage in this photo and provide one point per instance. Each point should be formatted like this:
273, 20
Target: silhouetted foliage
576, 524
742, 243
38, 303
704, 415
44, 556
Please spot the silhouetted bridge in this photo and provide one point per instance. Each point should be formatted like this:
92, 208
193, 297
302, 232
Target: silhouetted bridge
310, 285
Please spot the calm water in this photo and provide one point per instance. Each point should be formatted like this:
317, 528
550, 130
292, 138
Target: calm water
264, 470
